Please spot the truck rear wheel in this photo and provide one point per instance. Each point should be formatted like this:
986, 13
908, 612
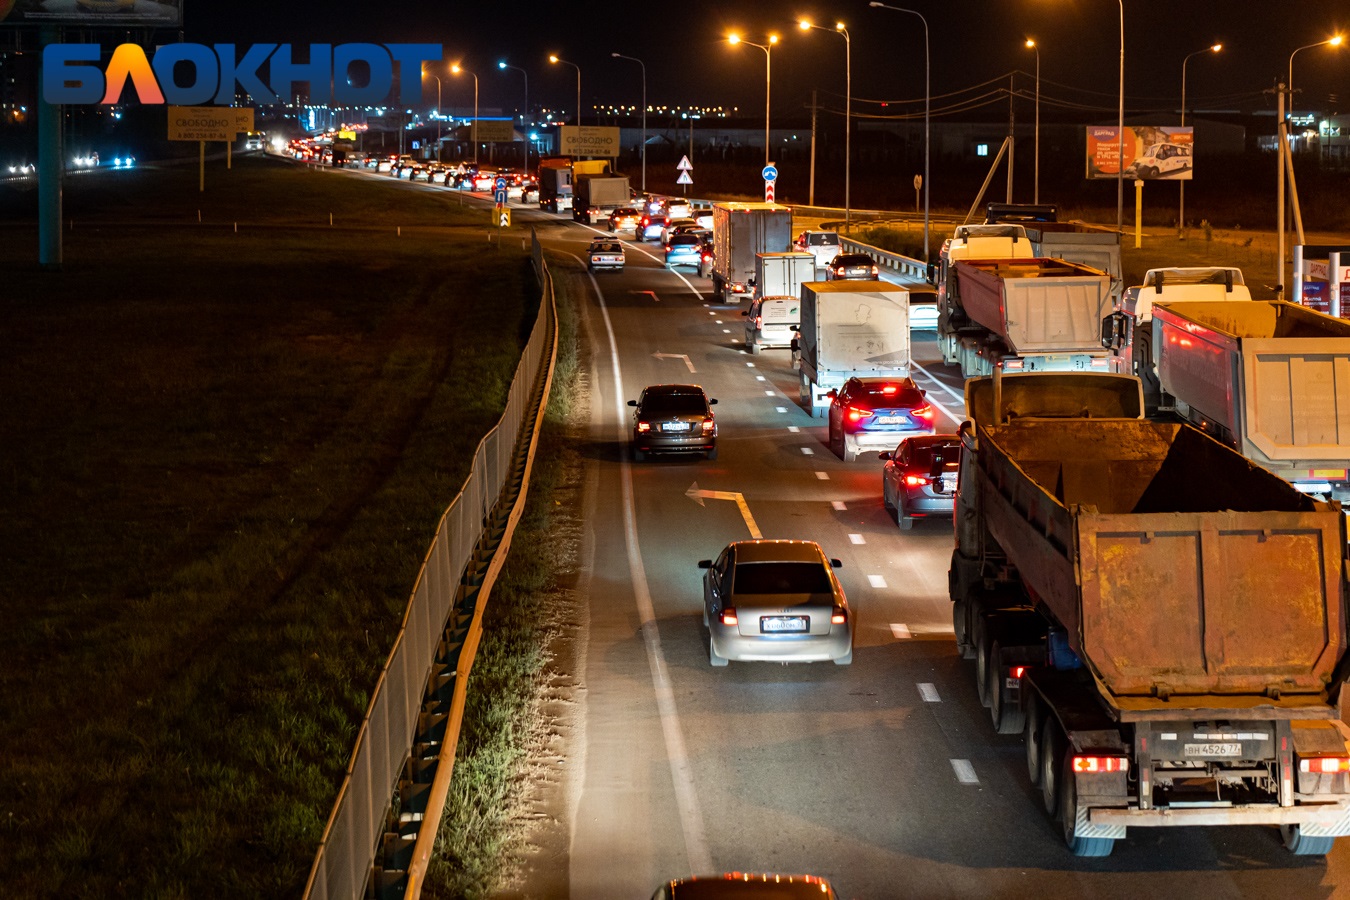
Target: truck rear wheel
960, 622
1007, 717
1299, 844
980, 626
1031, 735
1068, 812
1052, 756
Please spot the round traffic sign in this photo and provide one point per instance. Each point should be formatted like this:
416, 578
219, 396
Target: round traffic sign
501, 184
770, 173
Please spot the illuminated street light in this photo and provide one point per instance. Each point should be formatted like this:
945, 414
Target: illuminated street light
556, 60
1036, 168
927, 100
1213, 48
735, 39
806, 25
425, 73
503, 65
473, 133
644, 113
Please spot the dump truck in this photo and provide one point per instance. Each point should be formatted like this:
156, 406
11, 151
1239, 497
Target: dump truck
740, 231
782, 274
1031, 315
1270, 379
1163, 621
1053, 239
1128, 331
847, 329
595, 196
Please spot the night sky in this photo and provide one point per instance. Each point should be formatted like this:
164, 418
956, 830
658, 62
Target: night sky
973, 41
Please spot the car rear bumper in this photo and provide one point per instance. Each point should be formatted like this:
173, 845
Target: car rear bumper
671, 443
730, 644
924, 505
882, 440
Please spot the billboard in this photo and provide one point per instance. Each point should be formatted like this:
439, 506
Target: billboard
161, 13
1152, 153
588, 140
495, 131
208, 123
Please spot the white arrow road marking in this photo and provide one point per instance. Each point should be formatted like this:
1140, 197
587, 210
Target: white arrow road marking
697, 495
682, 356
651, 294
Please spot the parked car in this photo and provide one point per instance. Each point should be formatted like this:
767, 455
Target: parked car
823, 245
624, 217
673, 418
605, 254
745, 886
919, 478
684, 250
852, 267
872, 412
775, 601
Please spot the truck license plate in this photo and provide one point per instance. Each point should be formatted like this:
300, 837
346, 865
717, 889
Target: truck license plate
782, 624
1205, 751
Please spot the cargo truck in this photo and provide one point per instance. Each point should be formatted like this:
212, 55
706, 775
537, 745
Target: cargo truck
555, 188
1128, 331
782, 274
1162, 621
1270, 379
1023, 315
1072, 241
740, 231
595, 196
850, 328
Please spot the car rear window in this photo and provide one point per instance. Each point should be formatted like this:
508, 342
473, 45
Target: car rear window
781, 578
661, 404
923, 456
853, 259
821, 240
685, 239
606, 248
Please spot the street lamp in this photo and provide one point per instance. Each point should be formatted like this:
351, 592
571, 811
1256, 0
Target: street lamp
503, 66
1213, 48
644, 114
425, 73
839, 28
1120, 131
1036, 168
1282, 157
735, 39
1333, 41
927, 99
557, 59
457, 69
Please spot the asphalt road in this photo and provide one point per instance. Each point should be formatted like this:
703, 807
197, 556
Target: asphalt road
884, 776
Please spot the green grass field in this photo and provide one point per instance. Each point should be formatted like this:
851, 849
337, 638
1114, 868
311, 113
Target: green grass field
225, 455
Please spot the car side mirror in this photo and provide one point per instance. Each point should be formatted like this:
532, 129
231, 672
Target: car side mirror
795, 327
832, 394
745, 312
632, 403
1113, 331
705, 563
836, 564
712, 402
884, 454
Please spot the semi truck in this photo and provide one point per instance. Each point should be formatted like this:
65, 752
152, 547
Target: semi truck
1162, 621
782, 274
740, 232
1128, 331
595, 196
1023, 315
1266, 377
847, 329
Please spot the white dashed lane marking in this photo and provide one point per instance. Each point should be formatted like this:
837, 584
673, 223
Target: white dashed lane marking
929, 693
839, 505
965, 772
857, 539
901, 632
822, 476
876, 581
807, 451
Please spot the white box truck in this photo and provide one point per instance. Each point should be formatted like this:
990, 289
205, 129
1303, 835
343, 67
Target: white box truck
782, 274
850, 328
740, 231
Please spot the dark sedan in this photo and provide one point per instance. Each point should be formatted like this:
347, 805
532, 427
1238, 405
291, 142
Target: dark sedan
673, 418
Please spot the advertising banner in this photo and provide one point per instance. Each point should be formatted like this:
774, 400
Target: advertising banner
160, 13
496, 131
208, 123
1152, 153
588, 140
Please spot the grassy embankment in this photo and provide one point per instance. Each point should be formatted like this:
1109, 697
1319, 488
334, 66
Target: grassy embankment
225, 454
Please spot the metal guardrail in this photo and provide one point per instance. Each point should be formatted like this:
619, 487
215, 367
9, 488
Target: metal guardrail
356, 828
900, 265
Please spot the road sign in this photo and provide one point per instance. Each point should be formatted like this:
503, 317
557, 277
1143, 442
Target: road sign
685, 165
504, 217
768, 192
770, 174
684, 178
499, 196
500, 183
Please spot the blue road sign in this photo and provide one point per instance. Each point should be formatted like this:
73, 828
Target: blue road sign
770, 173
501, 184
499, 196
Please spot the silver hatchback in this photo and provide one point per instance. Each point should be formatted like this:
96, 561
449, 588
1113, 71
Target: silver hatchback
775, 601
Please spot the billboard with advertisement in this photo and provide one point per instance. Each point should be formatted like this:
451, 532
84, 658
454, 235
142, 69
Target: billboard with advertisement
1152, 153
159, 13
588, 140
496, 131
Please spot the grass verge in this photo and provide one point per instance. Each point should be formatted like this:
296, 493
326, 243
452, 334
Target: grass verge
225, 455
481, 832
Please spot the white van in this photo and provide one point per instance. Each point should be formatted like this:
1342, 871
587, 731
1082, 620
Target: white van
771, 322
823, 245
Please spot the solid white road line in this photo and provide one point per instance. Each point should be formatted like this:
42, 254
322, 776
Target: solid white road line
931, 377
681, 769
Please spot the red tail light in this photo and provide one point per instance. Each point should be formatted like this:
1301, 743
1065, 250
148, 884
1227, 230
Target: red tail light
644, 427
875, 270
759, 321
1017, 671
728, 616
857, 413
924, 412
708, 425
1100, 764
916, 480
839, 616
1324, 765
839, 271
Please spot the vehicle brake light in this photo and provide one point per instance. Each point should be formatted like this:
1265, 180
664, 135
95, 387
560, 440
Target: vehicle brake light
707, 424
857, 413
839, 271
839, 616
875, 270
889, 389
759, 321
916, 480
1100, 764
1100, 363
728, 616
924, 412
1324, 765
1017, 671
1012, 364
644, 427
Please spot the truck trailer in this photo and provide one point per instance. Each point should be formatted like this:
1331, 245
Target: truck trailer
740, 232
782, 274
1265, 377
847, 329
1023, 315
595, 196
1161, 620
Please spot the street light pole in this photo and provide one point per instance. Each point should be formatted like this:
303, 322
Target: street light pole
438, 113
1282, 154
927, 100
473, 133
558, 59
1181, 213
526, 75
848, 109
644, 113
734, 39
1036, 168
1120, 131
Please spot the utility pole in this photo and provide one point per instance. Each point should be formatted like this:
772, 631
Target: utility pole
811, 197
1012, 133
